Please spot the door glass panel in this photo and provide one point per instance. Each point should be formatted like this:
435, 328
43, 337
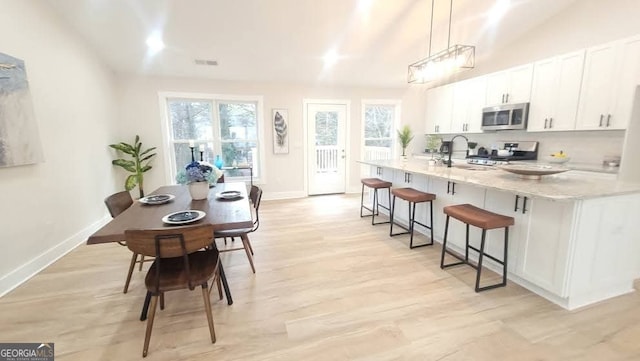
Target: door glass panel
378, 122
326, 142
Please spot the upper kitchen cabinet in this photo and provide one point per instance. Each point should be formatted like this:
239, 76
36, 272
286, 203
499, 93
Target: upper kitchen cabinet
509, 86
439, 107
608, 88
468, 101
555, 92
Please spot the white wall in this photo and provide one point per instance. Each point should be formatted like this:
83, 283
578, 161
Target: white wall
48, 208
140, 114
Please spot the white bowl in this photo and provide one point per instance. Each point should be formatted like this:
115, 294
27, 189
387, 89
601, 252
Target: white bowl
558, 160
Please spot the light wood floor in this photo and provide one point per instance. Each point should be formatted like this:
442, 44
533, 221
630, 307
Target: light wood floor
328, 286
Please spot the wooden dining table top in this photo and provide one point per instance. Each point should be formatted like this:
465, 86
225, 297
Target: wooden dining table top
223, 214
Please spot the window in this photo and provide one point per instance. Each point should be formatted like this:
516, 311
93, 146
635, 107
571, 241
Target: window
380, 119
220, 128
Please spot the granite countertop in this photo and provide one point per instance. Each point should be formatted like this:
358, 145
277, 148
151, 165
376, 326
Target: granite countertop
570, 185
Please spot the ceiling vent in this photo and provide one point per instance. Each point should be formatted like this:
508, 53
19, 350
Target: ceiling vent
206, 62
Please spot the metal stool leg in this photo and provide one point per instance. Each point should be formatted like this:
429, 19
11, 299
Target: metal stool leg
393, 207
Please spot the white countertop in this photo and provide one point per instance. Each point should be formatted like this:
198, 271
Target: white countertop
571, 185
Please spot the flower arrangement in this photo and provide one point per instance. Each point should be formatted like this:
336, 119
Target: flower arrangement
199, 172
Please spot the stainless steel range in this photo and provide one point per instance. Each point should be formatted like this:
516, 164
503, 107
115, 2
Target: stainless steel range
511, 151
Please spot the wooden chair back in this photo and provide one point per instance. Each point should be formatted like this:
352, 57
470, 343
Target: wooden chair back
171, 241
255, 195
118, 202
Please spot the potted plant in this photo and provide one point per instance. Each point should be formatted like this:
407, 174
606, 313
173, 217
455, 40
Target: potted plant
405, 136
138, 166
198, 176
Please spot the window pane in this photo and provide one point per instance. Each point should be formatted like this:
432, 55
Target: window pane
326, 128
238, 121
378, 121
190, 119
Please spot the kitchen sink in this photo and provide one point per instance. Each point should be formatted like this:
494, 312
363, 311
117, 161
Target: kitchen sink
467, 166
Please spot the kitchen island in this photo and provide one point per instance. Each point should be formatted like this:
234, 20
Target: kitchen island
576, 238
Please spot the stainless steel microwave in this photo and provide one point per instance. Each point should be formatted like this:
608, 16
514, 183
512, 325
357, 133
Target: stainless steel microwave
505, 116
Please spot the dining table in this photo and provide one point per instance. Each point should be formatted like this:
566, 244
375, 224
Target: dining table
225, 213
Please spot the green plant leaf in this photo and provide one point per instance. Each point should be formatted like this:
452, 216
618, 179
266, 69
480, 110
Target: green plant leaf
123, 147
129, 165
147, 151
138, 146
131, 182
147, 157
137, 139
145, 168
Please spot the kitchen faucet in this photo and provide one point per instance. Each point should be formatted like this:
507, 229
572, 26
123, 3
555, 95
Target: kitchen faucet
451, 147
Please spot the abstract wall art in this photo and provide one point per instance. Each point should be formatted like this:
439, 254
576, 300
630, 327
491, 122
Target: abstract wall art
19, 138
280, 121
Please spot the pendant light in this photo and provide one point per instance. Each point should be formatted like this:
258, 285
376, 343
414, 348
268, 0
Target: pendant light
444, 63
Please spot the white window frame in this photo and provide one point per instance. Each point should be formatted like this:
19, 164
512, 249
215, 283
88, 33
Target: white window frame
396, 122
167, 144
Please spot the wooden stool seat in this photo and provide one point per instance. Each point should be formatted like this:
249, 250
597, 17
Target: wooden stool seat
478, 217
413, 197
375, 184
485, 220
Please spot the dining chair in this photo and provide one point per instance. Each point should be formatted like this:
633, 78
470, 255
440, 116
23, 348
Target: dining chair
255, 195
116, 204
184, 259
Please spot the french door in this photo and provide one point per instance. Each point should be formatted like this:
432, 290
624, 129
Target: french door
326, 143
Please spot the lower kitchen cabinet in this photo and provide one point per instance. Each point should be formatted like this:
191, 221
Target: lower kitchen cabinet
450, 193
538, 241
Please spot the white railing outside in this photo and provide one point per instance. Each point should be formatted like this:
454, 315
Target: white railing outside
377, 153
326, 158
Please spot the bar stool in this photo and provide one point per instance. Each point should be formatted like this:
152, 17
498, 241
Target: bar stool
413, 197
375, 184
485, 220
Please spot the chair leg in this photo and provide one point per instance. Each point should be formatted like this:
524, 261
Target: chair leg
444, 242
245, 239
393, 208
480, 257
207, 308
162, 301
250, 247
219, 284
141, 262
147, 336
361, 200
131, 266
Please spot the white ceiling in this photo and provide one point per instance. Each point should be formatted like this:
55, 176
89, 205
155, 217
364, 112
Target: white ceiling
284, 40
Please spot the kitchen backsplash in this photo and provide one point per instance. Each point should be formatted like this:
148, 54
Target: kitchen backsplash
589, 147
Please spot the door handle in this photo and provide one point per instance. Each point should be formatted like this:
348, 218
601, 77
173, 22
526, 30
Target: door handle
601, 118
608, 119
502, 101
453, 188
550, 123
515, 209
448, 187
507, 98
545, 123
524, 205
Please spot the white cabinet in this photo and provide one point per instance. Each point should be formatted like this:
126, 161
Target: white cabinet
468, 101
450, 193
439, 107
509, 86
608, 88
555, 92
538, 240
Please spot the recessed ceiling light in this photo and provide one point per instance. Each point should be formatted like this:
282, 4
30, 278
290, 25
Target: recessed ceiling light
330, 58
155, 43
499, 9
364, 5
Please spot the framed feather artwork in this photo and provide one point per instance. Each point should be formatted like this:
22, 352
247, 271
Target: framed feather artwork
280, 122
